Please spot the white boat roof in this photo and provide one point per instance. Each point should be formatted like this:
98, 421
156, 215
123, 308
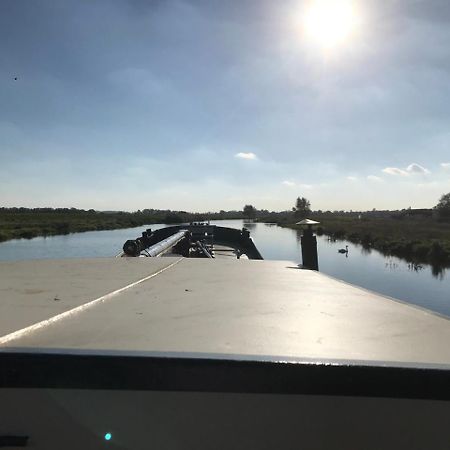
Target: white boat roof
202, 306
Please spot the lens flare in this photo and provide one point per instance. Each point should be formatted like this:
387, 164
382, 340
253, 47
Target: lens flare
330, 23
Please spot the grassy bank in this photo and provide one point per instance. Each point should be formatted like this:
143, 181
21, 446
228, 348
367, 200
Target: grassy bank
419, 240
422, 240
18, 223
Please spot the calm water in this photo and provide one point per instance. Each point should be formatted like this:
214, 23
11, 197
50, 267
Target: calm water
387, 275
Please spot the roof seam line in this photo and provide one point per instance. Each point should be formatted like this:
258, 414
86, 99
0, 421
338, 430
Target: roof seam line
71, 312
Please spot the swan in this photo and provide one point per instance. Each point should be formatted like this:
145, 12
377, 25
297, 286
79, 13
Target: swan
343, 250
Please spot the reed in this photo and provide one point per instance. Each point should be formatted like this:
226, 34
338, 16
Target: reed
424, 240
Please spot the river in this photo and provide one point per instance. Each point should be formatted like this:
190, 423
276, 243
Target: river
371, 270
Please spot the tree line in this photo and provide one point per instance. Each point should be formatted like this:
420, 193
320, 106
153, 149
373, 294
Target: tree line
302, 209
18, 222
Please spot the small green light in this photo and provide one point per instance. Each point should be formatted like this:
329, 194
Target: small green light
108, 436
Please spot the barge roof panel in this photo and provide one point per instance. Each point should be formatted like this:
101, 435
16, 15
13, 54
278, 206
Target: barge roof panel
202, 306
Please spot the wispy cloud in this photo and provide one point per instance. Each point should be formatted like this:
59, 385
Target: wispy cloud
292, 184
417, 168
412, 169
143, 85
395, 171
242, 155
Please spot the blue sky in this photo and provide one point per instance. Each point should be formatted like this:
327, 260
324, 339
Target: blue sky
208, 105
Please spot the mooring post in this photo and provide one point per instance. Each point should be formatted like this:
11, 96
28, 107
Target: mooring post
309, 245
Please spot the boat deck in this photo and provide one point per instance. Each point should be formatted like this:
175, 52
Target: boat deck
200, 306
214, 353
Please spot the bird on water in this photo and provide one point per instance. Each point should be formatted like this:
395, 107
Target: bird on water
343, 250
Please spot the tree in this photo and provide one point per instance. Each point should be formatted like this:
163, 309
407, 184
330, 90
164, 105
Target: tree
443, 207
302, 208
249, 211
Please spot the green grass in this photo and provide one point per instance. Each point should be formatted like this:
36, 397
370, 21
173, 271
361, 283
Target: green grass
423, 240
22, 223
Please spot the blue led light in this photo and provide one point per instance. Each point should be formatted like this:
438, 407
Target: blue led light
108, 436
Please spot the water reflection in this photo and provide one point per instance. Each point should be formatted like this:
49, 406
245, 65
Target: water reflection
249, 225
366, 250
391, 264
438, 271
427, 287
415, 267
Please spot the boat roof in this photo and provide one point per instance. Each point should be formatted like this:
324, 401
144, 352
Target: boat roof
307, 222
244, 308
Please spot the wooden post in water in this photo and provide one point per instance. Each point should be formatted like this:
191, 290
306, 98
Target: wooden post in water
309, 245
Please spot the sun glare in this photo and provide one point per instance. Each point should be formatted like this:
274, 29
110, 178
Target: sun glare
330, 23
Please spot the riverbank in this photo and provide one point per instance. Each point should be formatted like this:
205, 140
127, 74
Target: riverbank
416, 240
24, 223
419, 240
424, 287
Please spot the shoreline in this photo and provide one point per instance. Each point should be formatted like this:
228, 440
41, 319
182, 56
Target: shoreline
22, 223
416, 243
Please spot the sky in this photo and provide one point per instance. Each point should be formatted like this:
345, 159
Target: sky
209, 105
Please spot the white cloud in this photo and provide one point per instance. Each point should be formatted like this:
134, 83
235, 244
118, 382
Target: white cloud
417, 168
395, 171
412, 169
445, 166
374, 178
292, 184
350, 178
249, 155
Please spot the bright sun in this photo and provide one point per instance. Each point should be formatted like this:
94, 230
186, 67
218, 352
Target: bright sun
330, 23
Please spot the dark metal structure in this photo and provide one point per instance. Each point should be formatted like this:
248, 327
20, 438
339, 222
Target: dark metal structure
194, 240
309, 245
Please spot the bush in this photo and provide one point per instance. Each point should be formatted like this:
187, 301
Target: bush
173, 218
437, 253
27, 234
421, 251
339, 234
